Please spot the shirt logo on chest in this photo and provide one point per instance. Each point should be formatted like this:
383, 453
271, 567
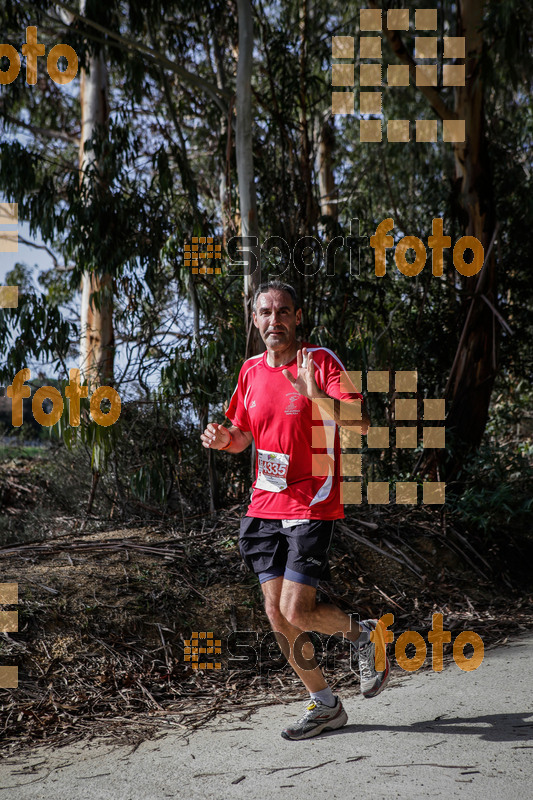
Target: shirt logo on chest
252, 404
292, 407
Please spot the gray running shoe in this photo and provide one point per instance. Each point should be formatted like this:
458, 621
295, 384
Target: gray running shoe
372, 682
316, 719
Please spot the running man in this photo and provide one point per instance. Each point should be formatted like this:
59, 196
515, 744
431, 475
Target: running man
289, 400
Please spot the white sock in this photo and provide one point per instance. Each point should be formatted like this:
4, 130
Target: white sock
325, 696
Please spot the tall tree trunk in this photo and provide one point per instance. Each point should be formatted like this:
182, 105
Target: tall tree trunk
228, 224
308, 205
203, 409
96, 330
326, 179
191, 187
475, 366
245, 170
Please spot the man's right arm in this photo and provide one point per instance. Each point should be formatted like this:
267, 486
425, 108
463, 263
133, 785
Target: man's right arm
217, 437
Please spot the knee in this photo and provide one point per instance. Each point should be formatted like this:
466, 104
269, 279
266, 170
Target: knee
280, 615
293, 614
274, 614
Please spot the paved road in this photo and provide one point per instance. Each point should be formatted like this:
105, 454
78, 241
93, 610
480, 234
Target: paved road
430, 735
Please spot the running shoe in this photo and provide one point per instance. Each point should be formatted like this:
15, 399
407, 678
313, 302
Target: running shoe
316, 719
372, 682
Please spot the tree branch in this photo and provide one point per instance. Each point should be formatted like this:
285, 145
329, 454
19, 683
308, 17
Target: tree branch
57, 265
218, 95
48, 132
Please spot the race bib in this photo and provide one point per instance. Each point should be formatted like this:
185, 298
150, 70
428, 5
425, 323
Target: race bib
272, 471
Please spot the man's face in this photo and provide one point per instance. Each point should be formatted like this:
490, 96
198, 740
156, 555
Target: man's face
276, 319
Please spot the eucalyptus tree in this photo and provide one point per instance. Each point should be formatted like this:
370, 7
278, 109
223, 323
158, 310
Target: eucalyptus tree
97, 348
475, 365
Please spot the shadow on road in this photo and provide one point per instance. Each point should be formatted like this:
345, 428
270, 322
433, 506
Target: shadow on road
489, 727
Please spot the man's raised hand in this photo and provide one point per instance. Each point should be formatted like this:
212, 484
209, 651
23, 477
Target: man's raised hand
305, 383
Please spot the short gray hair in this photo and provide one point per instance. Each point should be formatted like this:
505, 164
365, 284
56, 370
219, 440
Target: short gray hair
278, 286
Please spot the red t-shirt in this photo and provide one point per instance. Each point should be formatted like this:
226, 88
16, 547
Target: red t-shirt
281, 422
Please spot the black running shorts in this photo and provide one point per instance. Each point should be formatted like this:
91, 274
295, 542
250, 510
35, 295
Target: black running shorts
299, 553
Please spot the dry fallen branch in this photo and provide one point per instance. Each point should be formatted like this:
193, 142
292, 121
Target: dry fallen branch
79, 547
362, 540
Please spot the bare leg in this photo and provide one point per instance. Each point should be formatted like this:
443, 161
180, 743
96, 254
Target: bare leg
298, 605
292, 609
286, 634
